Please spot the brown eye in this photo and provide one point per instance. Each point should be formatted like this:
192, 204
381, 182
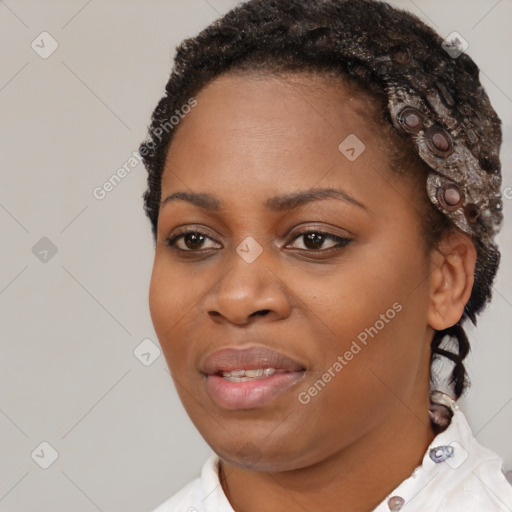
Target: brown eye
315, 241
193, 240
190, 241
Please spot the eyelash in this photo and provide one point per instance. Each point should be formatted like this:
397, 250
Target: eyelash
341, 241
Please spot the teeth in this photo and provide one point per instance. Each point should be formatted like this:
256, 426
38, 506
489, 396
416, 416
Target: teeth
236, 373
254, 373
246, 375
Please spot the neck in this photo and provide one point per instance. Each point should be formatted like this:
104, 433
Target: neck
355, 479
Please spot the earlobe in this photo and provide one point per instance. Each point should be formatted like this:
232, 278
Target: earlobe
451, 279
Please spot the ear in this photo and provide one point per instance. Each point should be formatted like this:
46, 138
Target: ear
451, 279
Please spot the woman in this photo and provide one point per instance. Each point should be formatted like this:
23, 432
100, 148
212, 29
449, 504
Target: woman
324, 194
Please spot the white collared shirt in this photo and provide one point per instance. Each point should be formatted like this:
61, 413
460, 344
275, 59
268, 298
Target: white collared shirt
457, 474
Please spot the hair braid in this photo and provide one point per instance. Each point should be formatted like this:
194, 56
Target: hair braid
458, 379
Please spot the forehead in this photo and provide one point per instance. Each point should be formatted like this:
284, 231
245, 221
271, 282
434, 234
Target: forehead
239, 99
251, 139
273, 119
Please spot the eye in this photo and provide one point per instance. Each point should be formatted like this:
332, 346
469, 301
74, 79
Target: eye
314, 240
190, 241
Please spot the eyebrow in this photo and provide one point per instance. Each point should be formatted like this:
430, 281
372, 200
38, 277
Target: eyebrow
280, 203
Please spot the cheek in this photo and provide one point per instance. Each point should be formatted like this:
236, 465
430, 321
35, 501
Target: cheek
349, 298
375, 310
170, 299
162, 296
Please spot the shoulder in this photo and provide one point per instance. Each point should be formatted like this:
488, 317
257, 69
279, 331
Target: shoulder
474, 479
479, 482
457, 474
204, 494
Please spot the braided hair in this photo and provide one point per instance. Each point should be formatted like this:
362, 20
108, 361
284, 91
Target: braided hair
377, 49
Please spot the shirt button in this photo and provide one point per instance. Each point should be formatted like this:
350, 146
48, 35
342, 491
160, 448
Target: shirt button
395, 503
440, 453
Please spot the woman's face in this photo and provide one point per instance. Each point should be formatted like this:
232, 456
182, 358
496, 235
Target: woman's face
328, 292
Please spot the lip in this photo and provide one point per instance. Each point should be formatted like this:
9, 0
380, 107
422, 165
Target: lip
254, 393
251, 358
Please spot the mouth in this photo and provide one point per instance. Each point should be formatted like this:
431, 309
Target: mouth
249, 378
250, 375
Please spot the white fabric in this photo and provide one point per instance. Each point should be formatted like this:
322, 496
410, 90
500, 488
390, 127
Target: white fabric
470, 480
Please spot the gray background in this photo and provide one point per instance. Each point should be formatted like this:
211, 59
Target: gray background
70, 324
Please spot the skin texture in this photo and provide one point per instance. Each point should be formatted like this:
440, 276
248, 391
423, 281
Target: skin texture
251, 138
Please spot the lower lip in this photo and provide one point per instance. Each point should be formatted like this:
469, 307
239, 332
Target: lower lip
249, 394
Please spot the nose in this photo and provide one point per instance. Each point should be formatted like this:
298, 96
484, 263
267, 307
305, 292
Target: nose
248, 292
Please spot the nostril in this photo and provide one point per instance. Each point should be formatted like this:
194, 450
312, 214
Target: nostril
261, 312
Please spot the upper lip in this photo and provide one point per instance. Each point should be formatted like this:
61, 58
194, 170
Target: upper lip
252, 358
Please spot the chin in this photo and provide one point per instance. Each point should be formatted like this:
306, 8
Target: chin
284, 454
